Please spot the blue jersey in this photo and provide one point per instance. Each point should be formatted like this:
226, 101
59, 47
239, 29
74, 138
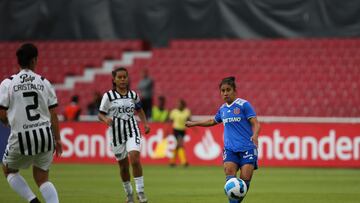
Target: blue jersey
237, 127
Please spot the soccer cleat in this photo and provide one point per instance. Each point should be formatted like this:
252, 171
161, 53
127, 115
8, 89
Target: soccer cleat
142, 198
35, 200
130, 199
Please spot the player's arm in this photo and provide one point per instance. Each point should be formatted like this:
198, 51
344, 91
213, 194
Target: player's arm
4, 101
143, 119
103, 118
203, 123
256, 129
3, 117
55, 128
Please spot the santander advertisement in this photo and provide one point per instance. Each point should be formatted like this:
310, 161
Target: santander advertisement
280, 144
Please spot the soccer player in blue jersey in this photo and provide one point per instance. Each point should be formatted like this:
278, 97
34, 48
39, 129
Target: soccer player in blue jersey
241, 130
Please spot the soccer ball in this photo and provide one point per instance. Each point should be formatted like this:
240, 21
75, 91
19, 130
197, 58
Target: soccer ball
235, 188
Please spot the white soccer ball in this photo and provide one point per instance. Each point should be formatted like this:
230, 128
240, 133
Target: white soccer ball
235, 188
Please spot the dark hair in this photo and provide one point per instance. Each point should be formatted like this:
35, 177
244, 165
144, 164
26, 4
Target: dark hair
228, 81
182, 102
25, 54
113, 73
75, 98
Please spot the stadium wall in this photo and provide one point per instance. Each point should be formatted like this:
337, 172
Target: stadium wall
281, 144
160, 21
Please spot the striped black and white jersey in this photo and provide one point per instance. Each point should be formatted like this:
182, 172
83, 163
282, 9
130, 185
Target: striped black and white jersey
27, 98
121, 108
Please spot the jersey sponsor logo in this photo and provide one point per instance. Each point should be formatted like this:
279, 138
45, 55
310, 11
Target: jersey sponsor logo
231, 119
34, 125
247, 155
237, 110
124, 109
207, 148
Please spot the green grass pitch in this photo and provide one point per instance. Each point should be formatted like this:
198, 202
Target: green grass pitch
101, 183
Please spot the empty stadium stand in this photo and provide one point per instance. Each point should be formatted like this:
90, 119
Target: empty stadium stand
303, 77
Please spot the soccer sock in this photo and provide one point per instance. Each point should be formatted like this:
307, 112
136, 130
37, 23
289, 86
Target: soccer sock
182, 155
128, 188
35, 200
139, 184
229, 177
173, 158
247, 182
18, 183
49, 193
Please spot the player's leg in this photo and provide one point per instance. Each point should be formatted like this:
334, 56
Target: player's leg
11, 164
230, 169
175, 151
181, 149
46, 188
125, 177
133, 146
138, 175
121, 156
248, 164
41, 168
246, 173
231, 161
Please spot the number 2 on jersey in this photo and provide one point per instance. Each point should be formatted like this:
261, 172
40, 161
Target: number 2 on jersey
32, 106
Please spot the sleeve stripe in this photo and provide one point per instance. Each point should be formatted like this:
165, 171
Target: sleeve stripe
4, 107
53, 106
103, 112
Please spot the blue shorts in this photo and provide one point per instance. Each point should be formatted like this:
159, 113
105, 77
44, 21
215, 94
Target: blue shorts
241, 158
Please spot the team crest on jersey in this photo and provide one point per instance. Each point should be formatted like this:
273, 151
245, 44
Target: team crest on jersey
26, 78
236, 110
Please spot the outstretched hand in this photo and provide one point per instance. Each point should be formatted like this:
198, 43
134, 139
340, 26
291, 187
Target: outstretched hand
254, 139
147, 129
58, 148
109, 121
189, 124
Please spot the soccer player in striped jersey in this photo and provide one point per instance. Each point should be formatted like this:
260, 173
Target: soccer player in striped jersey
27, 105
117, 110
241, 130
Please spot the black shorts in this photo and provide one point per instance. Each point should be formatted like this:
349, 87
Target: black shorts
179, 133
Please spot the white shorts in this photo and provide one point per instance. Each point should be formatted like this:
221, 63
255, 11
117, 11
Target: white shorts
16, 161
121, 151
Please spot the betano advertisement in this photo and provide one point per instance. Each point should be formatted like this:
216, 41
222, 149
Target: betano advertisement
280, 144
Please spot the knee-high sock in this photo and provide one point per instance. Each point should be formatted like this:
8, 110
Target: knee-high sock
174, 155
228, 177
247, 182
139, 184
182, 155
18, 183
49, 192
128, 188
